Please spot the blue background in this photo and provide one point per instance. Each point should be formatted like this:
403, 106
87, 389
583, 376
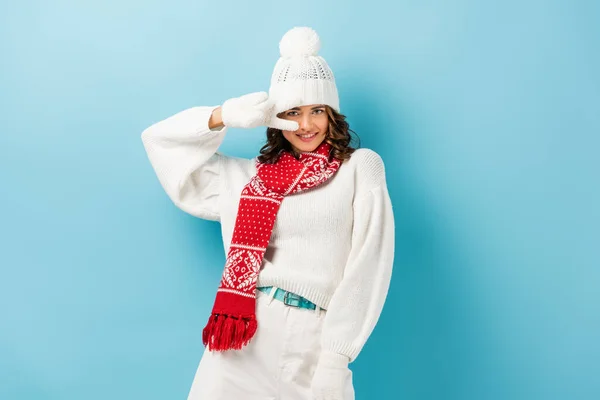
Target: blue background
486, 113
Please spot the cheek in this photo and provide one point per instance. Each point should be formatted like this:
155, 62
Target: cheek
289, 135
323, 124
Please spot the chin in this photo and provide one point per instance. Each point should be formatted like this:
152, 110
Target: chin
308, 147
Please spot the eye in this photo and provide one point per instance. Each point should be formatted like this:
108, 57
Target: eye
319, 111
292, 113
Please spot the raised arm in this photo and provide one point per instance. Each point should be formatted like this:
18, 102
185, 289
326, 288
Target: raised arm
182, 149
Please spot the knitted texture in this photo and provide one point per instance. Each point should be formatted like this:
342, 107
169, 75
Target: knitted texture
302, 77
233, 320
252, 110
333, 244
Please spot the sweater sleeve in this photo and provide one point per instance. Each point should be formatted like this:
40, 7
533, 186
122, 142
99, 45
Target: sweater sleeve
183, 152
358, 300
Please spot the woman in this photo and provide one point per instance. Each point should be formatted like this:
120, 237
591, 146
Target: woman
307, 226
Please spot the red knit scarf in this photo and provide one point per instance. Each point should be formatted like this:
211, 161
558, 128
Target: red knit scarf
233, 320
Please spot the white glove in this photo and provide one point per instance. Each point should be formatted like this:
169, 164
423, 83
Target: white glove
253, 110
331, 377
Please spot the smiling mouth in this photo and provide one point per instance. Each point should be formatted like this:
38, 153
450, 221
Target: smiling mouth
307, 137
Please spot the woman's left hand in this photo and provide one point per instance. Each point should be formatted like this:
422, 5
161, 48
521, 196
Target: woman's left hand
331, 377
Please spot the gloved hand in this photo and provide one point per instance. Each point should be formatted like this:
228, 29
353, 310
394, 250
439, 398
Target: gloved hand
331, 376
252, 110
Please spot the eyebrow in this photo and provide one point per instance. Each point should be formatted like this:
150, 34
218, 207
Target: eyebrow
314, 108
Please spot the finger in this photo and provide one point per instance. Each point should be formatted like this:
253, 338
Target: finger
254, 98
265, 106
252, 119
258, 116
283, 124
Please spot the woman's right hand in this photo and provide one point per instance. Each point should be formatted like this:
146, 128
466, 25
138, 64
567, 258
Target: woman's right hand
253, 110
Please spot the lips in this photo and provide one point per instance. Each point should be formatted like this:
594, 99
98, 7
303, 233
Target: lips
307, 137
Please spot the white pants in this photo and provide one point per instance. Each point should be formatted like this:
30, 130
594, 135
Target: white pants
277, 364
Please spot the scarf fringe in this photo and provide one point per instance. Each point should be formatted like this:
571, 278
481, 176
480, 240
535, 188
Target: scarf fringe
226, 332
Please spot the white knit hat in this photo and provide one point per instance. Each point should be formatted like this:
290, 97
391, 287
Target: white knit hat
301, 77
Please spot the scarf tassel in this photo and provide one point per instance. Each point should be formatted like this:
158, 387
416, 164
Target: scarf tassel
226, 332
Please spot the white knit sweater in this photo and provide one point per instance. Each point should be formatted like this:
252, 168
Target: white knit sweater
333, 245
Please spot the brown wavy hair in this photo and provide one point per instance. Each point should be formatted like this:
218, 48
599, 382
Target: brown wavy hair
338, 136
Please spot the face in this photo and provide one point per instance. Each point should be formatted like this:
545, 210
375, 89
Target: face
313, 127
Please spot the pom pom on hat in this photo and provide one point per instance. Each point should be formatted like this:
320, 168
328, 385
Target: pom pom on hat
302, 77
300, 42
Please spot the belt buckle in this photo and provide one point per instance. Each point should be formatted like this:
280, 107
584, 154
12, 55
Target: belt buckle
294, 297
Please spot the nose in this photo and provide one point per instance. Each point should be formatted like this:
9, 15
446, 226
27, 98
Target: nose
306, 122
